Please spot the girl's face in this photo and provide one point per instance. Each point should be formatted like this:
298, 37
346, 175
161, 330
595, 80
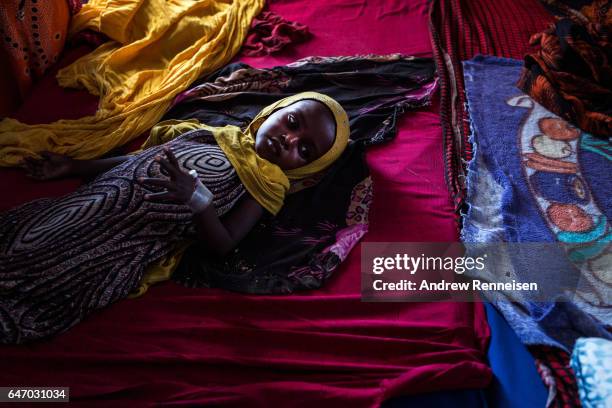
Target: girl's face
296, 135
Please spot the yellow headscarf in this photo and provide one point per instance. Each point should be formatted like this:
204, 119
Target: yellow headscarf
340, 142
265, 181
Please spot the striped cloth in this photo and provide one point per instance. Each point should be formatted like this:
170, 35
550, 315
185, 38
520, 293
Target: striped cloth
461, 29
553, 365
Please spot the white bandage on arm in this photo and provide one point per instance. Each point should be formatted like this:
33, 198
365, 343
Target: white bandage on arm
201, 198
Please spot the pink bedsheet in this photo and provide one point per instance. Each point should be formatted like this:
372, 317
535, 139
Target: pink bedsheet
179, 346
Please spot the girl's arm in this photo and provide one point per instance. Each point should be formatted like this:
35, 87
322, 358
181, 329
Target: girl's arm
53, 166
220, 235
223, 235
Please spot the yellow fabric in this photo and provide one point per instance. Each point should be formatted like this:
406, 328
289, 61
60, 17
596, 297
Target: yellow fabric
160, 47
161, 270
167, 130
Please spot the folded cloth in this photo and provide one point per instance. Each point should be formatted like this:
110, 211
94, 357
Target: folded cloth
571, 74
159, 48
592, 364
271, 33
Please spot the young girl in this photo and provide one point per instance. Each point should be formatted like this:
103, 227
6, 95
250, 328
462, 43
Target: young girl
60, 259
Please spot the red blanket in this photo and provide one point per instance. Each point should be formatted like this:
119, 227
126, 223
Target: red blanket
179, 346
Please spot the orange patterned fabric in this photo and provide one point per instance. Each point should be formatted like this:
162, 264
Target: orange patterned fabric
33, 35
571, 73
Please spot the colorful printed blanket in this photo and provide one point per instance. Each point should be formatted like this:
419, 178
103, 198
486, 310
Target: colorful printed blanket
537, 179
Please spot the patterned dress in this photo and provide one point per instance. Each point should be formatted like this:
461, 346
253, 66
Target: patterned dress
61, 259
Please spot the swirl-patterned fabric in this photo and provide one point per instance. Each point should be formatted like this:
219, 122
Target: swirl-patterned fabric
61, 259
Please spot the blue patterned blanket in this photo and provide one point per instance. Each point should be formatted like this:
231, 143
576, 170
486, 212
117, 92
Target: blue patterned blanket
537, 178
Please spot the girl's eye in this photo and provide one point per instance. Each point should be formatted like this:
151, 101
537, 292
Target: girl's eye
292, 121
304, 151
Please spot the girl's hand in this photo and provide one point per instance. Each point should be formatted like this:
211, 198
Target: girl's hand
50, 166
182, 187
